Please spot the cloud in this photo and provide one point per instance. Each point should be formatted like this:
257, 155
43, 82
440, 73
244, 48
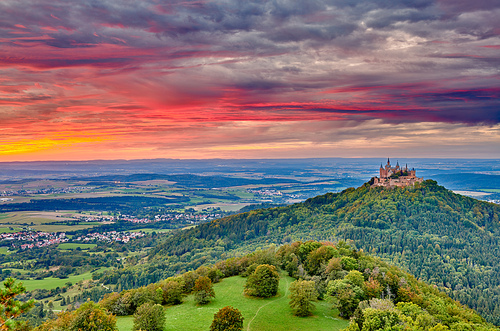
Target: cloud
118, 70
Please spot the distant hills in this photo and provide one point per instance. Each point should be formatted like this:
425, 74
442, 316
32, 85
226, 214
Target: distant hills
450, 240
189, 180
468, 180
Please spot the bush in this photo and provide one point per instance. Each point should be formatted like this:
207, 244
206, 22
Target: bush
302, 293
149, 317
91, 317
172, 291
203, 290
227, 319
263, 282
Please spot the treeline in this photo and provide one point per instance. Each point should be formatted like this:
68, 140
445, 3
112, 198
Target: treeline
373, 294
125, 204
447, 239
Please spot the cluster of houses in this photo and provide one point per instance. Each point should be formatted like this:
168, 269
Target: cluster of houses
111, 236
47, 190
188, 217
32, 239
267, 192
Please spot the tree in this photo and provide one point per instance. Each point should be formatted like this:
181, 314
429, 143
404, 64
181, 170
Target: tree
203, 290
10, 308
172, 291
302, 293
346, 296
263, 282
91, 317
227, 319
149, 317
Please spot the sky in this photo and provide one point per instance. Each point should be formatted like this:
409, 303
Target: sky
130, 79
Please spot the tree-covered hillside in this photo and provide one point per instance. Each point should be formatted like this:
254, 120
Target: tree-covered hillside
447, 239
372, 294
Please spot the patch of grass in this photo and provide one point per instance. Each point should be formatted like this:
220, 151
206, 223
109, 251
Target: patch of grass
14, 270
259, 314
75, 245
61, 228
51, 282
5, 250
10, 230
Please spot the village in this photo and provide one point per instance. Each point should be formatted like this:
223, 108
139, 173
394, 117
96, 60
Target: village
35, 239
177, 217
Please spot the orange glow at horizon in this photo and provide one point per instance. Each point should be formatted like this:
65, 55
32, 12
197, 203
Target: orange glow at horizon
57, 141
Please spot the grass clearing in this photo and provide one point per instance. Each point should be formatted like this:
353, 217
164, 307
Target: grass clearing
51, 282
71, 246
10, 230
61, 228
259, 314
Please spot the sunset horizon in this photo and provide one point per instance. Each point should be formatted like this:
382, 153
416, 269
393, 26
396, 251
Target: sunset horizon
81, 80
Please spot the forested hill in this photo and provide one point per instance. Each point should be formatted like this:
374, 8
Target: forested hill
447, 239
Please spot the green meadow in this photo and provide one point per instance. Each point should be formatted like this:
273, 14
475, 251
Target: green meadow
51, 282
71, 246
259, 314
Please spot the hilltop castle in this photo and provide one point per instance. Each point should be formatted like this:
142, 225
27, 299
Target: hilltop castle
396, 176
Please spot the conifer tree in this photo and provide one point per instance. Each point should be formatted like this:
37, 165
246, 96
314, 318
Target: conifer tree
10, 308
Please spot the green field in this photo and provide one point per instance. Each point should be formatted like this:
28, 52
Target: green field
5, 250
51, 282
75, 245
10, 230
259, 314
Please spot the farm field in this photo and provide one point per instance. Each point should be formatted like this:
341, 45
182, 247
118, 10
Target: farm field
259, 314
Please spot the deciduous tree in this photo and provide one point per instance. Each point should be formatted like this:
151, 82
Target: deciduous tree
203, 290
227, 319
263, 282
303, 293
149, 317
91, 317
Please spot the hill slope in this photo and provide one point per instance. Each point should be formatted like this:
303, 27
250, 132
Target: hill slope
447, 239
371, 293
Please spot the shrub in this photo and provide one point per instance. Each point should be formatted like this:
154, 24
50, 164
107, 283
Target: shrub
263, 282
149, 317
302, 293
203, 290
227, 319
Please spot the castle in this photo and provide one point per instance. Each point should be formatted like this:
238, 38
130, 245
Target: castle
396, 176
